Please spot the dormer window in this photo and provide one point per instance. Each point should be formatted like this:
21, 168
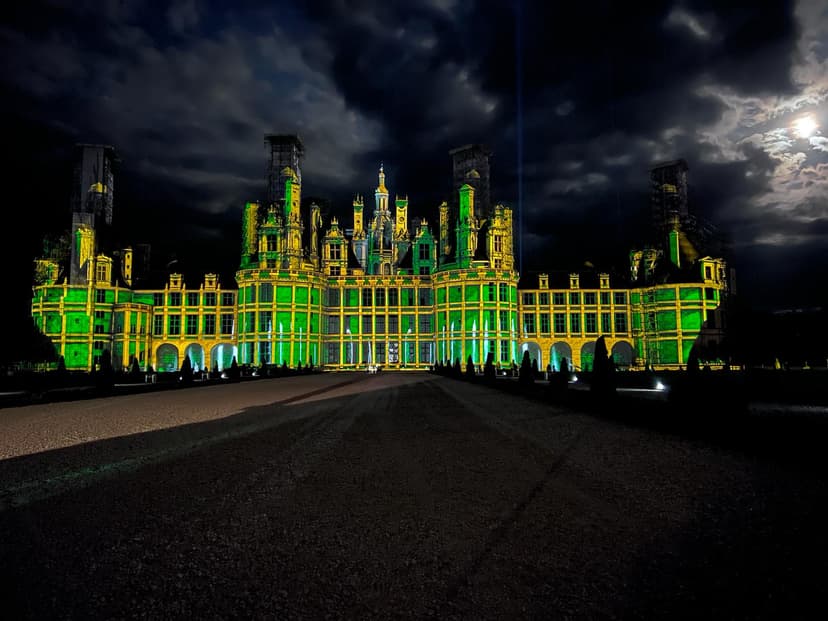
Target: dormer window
102, 273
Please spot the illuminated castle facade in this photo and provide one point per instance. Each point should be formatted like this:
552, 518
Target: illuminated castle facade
385, 291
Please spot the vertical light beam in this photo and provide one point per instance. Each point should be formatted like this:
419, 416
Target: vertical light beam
519, 104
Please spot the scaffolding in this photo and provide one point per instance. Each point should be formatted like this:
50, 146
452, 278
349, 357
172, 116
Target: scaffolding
668, 195
286, 151
470, 164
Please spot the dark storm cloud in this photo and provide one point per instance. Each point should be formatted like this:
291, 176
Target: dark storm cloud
186, 92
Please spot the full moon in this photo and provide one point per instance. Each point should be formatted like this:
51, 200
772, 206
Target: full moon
805, 126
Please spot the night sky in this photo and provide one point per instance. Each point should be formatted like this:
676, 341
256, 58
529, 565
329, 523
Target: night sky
598, 92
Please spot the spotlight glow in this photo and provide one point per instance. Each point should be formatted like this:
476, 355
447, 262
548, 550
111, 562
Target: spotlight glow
805, 127
660, 386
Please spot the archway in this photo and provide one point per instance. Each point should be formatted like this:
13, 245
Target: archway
558, 352
587, 356
195, 353
166, 358
623, 354
221, 355
534, 353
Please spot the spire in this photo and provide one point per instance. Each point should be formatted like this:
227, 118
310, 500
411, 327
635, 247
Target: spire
381, 187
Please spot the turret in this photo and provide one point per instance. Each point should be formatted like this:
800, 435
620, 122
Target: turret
126, 265
401, 218
315, 222
381, 193
359, 205
250, 215
673, 240
499, 239
445, 242
292, 258
83, 249
467, 228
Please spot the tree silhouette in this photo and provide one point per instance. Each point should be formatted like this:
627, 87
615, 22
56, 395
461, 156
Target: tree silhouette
187, 370
526, 376
601, 369
105, 377
233, 372
489, 371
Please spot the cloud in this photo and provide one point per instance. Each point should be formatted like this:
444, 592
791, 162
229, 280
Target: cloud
186, 95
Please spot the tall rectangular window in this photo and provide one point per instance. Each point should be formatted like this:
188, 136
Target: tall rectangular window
272, 243
490, 292
210, 298
264, 352
408, 296
543, 298
367, 297
574, 322
265, 321
529, 322
227, 323
424, 296
379, 296
559, 298
544, 323
332, 353
605, 298
425, 352
591, 322
158, 299
228, 299
265, 292
606, 323
209, 324
174, 325
424, 323
560, 323
192, 325
367, 328
379, 324
503, 292
589, 298
158, 325
424, 255
393, 324
620, 322
333, 324
574, 298
336, 252
504, 351
528, 299
504, 320
393, 296
175, 299
192, 299
620, 297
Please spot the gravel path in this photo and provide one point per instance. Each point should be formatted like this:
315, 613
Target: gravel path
391, 496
